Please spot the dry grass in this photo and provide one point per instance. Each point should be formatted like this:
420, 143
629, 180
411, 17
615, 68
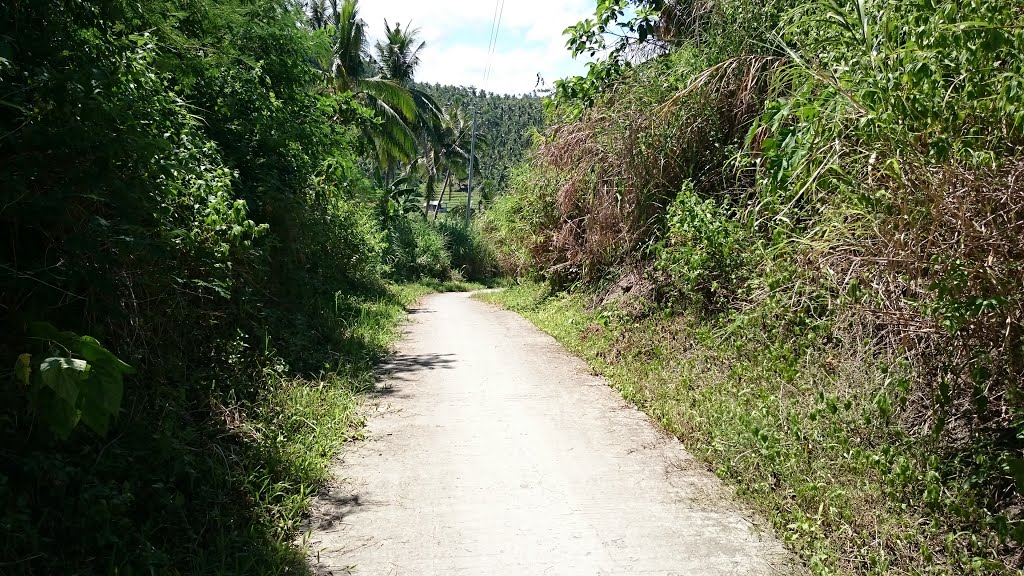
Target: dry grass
868, 339
619, 166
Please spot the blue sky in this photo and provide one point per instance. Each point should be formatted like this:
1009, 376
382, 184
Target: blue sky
457, 32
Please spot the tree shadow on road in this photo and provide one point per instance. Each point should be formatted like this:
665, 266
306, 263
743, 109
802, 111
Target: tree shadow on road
332, 506
400, 367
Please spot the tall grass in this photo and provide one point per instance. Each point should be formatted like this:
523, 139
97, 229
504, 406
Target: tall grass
208, 483
820, 216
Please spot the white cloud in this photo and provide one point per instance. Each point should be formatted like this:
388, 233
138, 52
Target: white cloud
530, 41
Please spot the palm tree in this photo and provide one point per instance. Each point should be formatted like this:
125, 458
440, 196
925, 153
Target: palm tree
397, 58
319, 14
344, 66
442, 151
398, 55
349, 45
450, 150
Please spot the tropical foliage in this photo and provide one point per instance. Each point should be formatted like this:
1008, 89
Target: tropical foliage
505, 128
803, 218
203, 205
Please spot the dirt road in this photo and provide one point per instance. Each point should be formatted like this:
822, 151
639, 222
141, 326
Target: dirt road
492, 451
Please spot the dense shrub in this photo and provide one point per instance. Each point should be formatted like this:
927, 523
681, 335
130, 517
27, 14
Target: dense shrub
440, 250
417, 249
701, 260
846, 244
471, 255
518, 225
179, 191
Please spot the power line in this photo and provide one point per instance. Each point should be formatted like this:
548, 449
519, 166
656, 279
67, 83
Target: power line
492, 46
499, 8
490, 39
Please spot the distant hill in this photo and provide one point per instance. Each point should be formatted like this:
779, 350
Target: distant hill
505, 121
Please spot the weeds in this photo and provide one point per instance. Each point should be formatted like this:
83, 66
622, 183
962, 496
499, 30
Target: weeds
810, 435
821, 204
211, 483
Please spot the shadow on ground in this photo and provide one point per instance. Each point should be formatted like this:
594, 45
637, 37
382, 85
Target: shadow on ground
332, 508
398, 366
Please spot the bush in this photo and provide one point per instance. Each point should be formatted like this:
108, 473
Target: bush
431, 257
417, 249
517, 226
471, 255
701, 259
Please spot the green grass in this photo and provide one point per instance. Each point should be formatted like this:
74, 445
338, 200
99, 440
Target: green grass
199, 483
302, 424
457, 198
809, 433
428, 285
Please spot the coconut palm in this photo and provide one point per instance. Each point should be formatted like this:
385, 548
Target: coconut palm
398, 54
319, 13
442, 150
344, 65
450, 150
349, 46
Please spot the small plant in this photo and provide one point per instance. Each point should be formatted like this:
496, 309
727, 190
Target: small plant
701, 257
74, 380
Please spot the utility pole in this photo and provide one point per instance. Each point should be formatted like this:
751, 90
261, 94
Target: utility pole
472, 155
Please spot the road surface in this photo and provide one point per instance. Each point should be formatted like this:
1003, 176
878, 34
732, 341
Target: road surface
490, 450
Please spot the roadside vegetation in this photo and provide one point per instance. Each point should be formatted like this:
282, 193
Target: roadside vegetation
211, 218
791, 232
506, 125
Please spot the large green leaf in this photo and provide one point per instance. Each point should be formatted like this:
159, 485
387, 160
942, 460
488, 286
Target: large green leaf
58, 395
391, 135
106, 381
429, 113
391, 93
94, 407
59, 416
64, 376
92, 387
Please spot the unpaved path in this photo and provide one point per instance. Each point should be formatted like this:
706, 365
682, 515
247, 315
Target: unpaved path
492, 451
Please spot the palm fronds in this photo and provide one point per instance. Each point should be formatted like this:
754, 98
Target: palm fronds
398, 54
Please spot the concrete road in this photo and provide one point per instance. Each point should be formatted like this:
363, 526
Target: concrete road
492, 451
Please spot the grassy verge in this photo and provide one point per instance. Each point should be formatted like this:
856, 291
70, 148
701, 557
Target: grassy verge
294, 432
298, 429
808, 432
210, 479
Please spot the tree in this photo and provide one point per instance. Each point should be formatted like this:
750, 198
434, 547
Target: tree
344, 64
349, 46
398, 55
451, 150
505, 125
